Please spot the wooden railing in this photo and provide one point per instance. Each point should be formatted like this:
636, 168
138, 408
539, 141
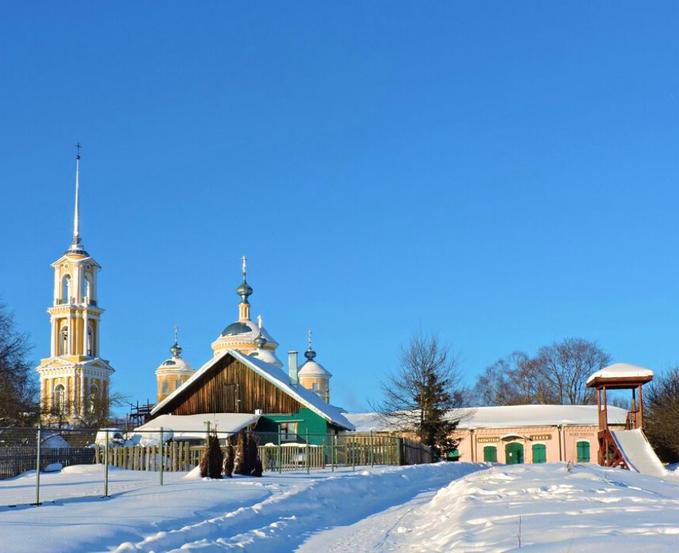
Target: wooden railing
344, 450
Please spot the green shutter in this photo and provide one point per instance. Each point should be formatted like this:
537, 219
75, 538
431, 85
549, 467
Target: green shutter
583, 452
539, 453
490, 454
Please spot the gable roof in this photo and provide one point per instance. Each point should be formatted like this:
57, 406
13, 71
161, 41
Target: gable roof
275, 376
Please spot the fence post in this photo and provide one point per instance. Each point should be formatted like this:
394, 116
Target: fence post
333, 451
280, 452
372, 454
162, 463
106, 466
352, 444
37, 466
306, 452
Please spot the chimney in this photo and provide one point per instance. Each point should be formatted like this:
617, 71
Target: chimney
292, 367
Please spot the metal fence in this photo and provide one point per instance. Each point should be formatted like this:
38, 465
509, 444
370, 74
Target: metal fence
163, 451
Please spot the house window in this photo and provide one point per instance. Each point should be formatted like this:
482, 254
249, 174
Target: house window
583, 452
287, 431
490, 454
539, 453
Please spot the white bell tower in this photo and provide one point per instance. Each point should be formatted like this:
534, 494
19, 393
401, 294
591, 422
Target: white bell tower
74, 379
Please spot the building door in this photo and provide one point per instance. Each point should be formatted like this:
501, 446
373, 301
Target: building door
583, 452
490, 454
514, 453
539, 453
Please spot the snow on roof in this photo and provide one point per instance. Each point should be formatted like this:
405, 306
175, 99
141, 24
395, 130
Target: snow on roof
536, 415
278, 378
195, 426
306, 397
312, 368
621, 370
509, 416
371, 422
55, 441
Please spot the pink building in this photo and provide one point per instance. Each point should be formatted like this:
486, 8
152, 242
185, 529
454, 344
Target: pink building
532, 433
519, 433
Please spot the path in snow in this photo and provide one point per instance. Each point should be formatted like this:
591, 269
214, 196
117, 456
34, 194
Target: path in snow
283, 521
549, 509
275, 513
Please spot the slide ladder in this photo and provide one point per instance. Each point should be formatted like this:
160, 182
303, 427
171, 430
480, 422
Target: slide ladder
637, 452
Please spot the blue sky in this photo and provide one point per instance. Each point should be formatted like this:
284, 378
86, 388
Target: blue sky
501, 174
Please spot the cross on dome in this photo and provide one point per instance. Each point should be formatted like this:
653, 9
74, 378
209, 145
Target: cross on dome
309, 353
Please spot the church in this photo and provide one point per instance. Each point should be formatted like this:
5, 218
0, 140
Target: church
244, 374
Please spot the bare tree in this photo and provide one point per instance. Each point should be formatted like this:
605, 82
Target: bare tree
420, 395
97, 412
564, 366
556, 375
662, 415
18, 388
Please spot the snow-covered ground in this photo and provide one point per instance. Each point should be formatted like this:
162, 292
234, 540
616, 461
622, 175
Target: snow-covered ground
427, 508
274, 513
536, 508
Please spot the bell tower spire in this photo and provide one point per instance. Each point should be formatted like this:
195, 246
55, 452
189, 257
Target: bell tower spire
76, 244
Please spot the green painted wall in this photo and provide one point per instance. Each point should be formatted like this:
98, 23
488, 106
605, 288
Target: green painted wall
307, 421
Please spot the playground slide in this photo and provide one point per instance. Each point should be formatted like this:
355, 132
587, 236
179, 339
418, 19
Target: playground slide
637, 452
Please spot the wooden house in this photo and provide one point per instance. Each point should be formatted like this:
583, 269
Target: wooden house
233, 382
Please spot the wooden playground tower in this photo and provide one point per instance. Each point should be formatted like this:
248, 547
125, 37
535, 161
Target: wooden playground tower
618, 377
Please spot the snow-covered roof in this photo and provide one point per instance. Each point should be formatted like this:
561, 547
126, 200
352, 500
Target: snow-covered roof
306, 397
278, 378
509, 416
267, 356
174, 364
55, 441
244, 331
536, 415
312, 368
621, 370
195, 426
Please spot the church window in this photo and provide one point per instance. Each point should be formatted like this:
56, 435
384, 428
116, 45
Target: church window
94, 396
63, 341
87, 287
59, 403
166, 387
90, 340
66, 289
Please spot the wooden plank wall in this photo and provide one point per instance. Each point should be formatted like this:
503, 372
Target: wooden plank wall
216, 392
